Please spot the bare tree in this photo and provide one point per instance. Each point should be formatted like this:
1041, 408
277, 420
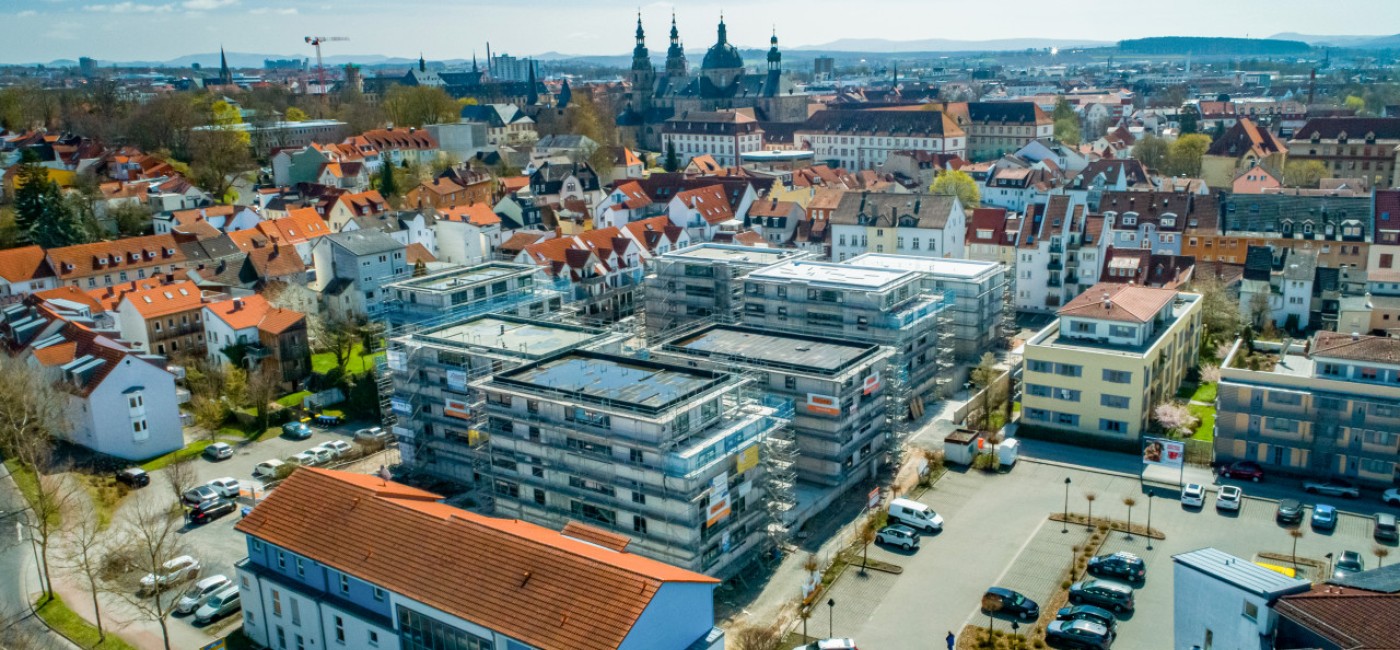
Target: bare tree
151, 539
209, 414
33, 407
1381, 553
867, 537
83, 554
337, 335
1210, 373
1130, 502
1296, 534
757, 637
262, 389
1091, 497
180, 476
48, 502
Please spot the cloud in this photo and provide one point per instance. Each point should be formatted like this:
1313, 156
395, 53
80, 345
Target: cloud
27, 13
283, 11
206, 5
130, 8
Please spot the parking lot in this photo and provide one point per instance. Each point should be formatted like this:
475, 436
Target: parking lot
997, 533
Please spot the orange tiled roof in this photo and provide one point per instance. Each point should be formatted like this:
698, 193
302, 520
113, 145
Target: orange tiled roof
134, 252
1119, 302
165, 300
710, 202
279, 320
72, 294
520, 574
240, 313
416, 252
477, 214
23, 264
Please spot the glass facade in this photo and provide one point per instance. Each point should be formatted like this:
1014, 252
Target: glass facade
420, 632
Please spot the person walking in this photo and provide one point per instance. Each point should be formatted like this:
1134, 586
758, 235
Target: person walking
951, 640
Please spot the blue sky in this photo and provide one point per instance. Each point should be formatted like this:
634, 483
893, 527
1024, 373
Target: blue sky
43, 30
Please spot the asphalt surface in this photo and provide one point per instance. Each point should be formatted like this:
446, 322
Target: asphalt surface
17, 567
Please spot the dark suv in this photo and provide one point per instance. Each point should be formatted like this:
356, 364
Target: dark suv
1108, 594
134, 477
1119, 565
999, 600
211, 510
1290, 511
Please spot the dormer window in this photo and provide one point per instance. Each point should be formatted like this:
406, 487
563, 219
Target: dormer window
1342, 137
136, 257
101, 260
1307, 228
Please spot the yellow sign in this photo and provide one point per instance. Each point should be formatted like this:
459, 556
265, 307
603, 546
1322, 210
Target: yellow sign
748, 458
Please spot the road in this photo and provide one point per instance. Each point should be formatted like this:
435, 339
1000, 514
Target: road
17, 566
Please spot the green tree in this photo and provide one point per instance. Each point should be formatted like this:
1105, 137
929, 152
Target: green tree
219, 159
415, 106
1184, 155
9, 229
388, 187
1064, 110
42, 215
132, 220
1219, 312
1304, 173
1151, 151
1067, 131
957, 183
673, 161
1355, 103
1189, 119
295, 114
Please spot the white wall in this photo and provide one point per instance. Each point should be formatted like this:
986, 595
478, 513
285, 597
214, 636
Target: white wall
1206, 603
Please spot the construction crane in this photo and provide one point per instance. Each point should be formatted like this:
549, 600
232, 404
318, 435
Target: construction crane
316, 41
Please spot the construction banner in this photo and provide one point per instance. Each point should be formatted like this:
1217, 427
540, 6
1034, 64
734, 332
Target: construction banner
748, 458
824, 404
456, 408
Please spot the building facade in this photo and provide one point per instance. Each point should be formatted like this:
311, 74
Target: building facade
922, 225
702, 284
981, 314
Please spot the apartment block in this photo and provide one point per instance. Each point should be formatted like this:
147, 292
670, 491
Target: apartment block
436, 410
703, 283
462, 292
837, 389
982, 314
1328, 407
1115, 352
860, 303
667, 454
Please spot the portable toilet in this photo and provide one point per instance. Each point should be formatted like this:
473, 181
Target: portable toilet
1007, 450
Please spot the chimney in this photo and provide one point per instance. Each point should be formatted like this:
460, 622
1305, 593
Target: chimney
1355, 336
237, 305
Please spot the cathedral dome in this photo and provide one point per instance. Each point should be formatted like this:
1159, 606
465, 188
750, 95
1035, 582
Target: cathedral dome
722, 55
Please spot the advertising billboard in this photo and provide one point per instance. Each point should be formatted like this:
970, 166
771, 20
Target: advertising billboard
1164, 452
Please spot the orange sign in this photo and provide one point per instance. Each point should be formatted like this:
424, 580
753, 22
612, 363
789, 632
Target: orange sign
455, 408
824, 404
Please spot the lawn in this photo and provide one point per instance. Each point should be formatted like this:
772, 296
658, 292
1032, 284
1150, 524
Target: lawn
58, 616
358, 364
294, 400
1206, 414
190, 451
1204, 393
28, 484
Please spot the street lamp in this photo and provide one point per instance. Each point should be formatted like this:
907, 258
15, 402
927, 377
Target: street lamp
1329, 564
1149, 518
830, 618
1015, 631
1064, 528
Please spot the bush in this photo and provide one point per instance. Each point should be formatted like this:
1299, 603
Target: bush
1065, 584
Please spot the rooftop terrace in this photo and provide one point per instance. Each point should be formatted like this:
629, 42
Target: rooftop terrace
465, 277
518, 336
801, 353
609, 380
837, 276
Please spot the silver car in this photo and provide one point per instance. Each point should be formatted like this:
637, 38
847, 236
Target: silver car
219, 605
199, 592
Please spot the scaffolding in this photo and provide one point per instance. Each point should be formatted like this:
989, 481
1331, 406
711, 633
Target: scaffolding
1007, 328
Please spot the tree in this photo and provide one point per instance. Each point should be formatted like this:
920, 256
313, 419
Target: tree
219, 159
1296, 534
1091, 497
83, 555
415, 106
1130, 502
1151, 151
756, 637
180, 476
867, 537
47, 504
1352, 102
262, 389
1259, 310
1184, 156
9, 229
132, 219
42, 215
591, 116
210, 413
986, 371
388, 187
31, 410
1189, 119
1067, 131
951, 182
1210, 373
420, 269
295, 114
672, 162
1175, 417
1064, 110
1219, 312
1381, 553
152, 538
236, 386
1305, 173
991, 604
337, 335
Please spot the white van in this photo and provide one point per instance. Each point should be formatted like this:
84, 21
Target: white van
915, 515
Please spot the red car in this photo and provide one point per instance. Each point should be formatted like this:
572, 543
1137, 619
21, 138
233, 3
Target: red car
1243, 469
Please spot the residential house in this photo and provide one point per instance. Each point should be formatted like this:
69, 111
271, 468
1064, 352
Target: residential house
1111, 356
399, 146
1256, 180
251, 333
467, 234
1361, 610
506, 124
353, 269
25, 270
556, 183
1244, 146
865, 139
997, 128
1352, 147
775, 220
222, 218
160, 318
1336, 228
657, 235
109, 263
341, 209
1154, 221
722, 135
627, 202
700, 211
600, 270
991, 236
924, 225
299, 587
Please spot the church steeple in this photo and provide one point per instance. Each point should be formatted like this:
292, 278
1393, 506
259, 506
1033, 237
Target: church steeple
676, 65
723, 32
775, 58
422, 63
641, 58
533, 97
225, 75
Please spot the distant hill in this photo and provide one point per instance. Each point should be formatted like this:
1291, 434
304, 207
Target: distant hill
1207, 46
949, 45
1348, 40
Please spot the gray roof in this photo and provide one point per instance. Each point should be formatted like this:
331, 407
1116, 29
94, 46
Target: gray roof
746, 346
888, 210
366, 242
1385, 580
1241, 573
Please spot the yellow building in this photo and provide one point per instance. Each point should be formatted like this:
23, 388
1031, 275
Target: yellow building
1115, 352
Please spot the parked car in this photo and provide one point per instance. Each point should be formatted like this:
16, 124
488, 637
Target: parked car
1386, 530
897, 535
198, 494
1333, 488
1193, 495
218, 451
1348, 562
296, 430
337, 447
830, 644
211, 510
303, 458
268, 469
1119, 565
1290, 511
173, 572
1391, 497
199, 592
134, 477
218, 606
1229, 498
1243, 469
915, 515
1079, 634
227, 486
329, 419
372, 434
1324, 517
322, 455
1089, 613
1108, 594
1010, 603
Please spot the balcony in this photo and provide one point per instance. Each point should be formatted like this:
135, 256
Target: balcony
1054, 281
1055, 265
1056, 248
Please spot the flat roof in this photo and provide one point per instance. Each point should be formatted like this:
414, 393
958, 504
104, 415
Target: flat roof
611, 380
1240, 572
739, 254
942, 267
465, 276
770, 156
843, 276
517, 336
742, 344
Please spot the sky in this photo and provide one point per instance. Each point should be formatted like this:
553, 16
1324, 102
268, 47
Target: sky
157, 30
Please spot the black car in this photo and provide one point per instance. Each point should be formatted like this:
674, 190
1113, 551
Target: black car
999, 600
134, 477
1089, 613
1290, 511
1119, 565
1104, 593
211, 510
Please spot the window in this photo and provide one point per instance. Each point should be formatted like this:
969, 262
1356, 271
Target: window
281, 560
639, 524
1118, 376
1068, 370
344, 584
1114, 401
340, 630
1082, 327
281, 637
301, 568
296, 612
1279, 397
1113, 426
373, 638
1039, 366
790, 382
378, 594
1122, 331
1251, 610
421, 632
276, 603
